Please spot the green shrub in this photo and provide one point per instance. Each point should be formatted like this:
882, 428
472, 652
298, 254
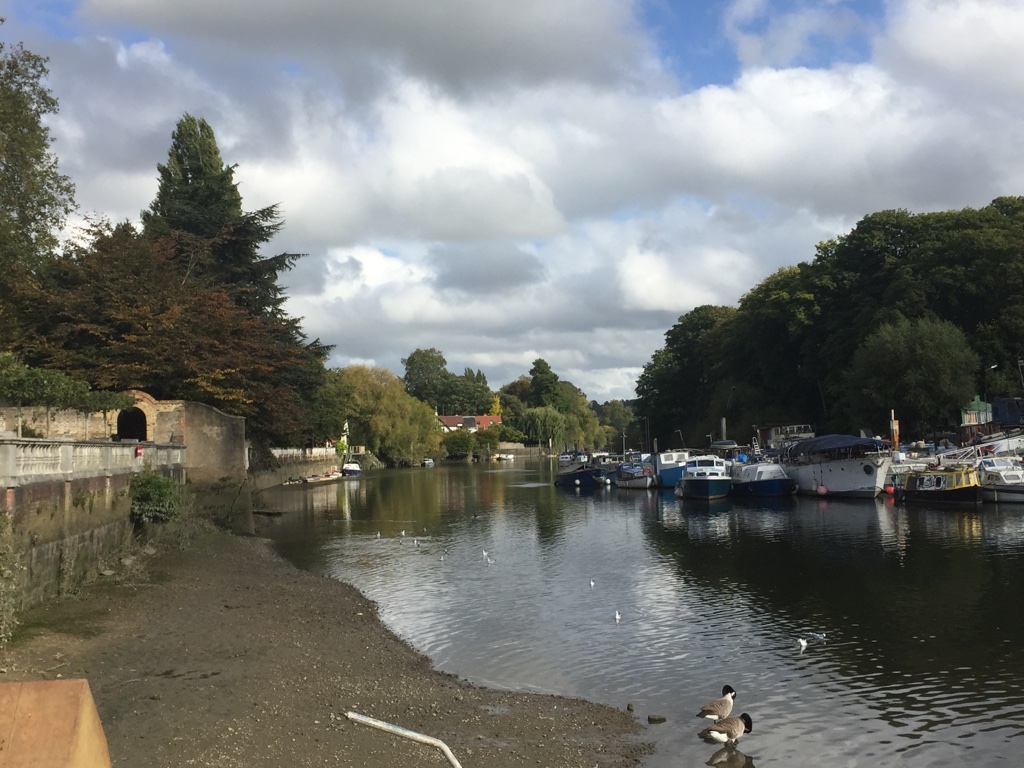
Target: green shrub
155, 499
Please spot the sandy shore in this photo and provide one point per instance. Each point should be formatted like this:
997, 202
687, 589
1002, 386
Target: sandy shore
226, 655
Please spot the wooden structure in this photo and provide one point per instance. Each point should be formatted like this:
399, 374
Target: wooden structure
50, 724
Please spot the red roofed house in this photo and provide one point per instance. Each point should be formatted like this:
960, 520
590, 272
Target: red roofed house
472, 423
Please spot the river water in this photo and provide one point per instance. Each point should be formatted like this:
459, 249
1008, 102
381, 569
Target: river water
922, 610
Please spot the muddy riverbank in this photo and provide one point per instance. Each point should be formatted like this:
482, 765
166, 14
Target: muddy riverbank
225, 654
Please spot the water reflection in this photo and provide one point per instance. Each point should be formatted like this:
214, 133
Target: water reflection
920, 661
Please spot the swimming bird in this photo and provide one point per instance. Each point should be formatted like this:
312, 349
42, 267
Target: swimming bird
728, 729
817, 636
618, 617
378, 534
416, 542
403, 532
591, 583
720, 707
802, 643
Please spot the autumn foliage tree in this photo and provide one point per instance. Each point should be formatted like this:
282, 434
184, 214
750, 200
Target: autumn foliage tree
117, 315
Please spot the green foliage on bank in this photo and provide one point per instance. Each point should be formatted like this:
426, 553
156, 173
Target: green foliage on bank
155, 499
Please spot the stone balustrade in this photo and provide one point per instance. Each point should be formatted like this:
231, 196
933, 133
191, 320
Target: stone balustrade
28, 461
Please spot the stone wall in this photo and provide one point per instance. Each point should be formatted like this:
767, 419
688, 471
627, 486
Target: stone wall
65, 505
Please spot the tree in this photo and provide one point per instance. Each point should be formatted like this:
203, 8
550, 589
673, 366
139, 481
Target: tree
462, 395
617, 415
399, 428
426, 378
332, 406
487, 440
676, 389
923, 369
35, 198
115, 315
545, 426
543, 385
199, 206
459, 443
197, 218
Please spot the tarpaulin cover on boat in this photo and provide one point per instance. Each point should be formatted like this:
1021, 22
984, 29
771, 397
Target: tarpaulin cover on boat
826, 443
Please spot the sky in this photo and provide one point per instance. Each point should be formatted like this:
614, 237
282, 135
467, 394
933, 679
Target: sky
558, 179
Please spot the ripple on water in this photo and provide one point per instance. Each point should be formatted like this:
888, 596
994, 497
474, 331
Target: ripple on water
920, 664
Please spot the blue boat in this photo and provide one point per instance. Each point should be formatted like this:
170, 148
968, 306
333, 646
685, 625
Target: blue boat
576, 469
669, 466
705, 477
761, 478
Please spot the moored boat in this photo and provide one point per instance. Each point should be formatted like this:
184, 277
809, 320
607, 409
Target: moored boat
1002, 479
669, 467
705, 477
634, 474
331, 476
838, 465
351, 469
941, 484
577, 469
761, 478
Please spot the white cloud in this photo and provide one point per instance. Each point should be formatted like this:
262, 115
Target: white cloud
528, 182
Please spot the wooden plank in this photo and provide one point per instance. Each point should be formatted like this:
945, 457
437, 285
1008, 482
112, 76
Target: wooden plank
51, 724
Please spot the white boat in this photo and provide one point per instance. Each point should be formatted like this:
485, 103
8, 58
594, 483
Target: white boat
351, 469
838, 465
1002, 479
428, 462
705, 477
669, 467
761, 478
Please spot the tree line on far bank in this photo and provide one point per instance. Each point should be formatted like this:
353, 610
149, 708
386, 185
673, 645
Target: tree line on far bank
908, 313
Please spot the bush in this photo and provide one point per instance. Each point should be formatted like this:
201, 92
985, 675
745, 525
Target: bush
155, 499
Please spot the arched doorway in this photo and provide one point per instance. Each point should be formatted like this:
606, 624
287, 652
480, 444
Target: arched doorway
131, 424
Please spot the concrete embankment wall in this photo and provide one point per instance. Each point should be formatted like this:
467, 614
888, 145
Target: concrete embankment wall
65, 508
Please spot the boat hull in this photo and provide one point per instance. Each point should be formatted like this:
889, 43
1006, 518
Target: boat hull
761, 479
838, 465
585, 477
1003, 494
953, 485
970, 495
779, 486
706, 487
634, 482
854, 478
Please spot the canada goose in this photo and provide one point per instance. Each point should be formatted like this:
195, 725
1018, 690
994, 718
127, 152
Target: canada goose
728, 729
719, 708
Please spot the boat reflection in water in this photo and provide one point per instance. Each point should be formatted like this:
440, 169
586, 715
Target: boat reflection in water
919, 650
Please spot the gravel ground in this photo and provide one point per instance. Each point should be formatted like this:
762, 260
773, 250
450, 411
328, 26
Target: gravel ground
226, 655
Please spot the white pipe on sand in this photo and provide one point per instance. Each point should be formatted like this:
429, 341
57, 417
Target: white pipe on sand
405, 733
